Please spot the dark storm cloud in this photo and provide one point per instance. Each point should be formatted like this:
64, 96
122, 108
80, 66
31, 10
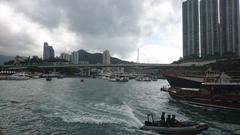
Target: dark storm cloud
12, 44
102, 17
104, 24
97, 22
120, 26
44, 12
93, 17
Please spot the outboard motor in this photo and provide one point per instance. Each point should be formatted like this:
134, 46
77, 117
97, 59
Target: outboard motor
148, 122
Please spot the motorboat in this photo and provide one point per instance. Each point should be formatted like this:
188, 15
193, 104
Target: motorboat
182, 128
60, 76
147, 79
49, 78
154, 79
123, 79
113, 79
35, 77
18, 76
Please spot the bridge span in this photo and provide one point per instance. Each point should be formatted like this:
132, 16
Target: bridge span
15, 67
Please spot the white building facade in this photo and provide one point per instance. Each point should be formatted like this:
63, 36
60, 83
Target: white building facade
106, 58
75, 57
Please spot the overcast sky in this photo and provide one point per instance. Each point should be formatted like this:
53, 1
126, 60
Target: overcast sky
121, 26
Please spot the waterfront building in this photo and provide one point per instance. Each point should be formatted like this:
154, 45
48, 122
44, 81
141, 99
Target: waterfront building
75, 57
229, 27
48, 51
20, 59
190, 12
209, 28
65, 56
106, 58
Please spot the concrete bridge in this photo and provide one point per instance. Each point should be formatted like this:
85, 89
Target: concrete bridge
142, 65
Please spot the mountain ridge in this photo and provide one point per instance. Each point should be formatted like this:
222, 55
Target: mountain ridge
96, 58
84, 56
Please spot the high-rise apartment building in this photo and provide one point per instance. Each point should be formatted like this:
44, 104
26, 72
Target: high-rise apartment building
190, 28
106, 57
48, 51
229, 27
209, 28
219, 28
185, 31
65, 56
75, 57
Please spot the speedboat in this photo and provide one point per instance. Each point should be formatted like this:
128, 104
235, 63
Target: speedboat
182, 128
18, 76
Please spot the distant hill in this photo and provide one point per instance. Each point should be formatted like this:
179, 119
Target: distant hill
96, 58
5, 59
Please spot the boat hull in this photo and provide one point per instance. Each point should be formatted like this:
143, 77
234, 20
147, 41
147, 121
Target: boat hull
18, 78
178, 130
220, 104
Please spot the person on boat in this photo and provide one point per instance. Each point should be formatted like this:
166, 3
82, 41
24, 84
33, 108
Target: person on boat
173, 121
168, 121
163, 122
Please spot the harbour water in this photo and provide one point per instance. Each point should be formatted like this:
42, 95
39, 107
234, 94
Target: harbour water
97, 107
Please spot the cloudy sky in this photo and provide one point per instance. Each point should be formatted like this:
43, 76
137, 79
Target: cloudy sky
121, 26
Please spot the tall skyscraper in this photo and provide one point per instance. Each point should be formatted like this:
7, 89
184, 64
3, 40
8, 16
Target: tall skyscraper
185, 30
106, 58
209, 28
190, 12
229, 27
48, 51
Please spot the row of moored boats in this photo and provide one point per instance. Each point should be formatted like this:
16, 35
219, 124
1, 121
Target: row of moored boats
24, 76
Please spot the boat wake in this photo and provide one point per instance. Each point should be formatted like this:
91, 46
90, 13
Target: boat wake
99, 113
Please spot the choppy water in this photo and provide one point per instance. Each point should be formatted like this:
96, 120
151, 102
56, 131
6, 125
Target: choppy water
96, 107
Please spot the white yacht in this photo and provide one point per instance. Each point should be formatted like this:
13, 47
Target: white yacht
18, 76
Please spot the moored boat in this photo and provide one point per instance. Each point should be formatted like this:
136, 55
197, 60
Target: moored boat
123, 79
183, 81
49, 78
209, 101
59, 76
18, 76
216, 90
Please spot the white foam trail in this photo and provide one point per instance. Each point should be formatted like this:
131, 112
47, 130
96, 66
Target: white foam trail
101, 114
121, 110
